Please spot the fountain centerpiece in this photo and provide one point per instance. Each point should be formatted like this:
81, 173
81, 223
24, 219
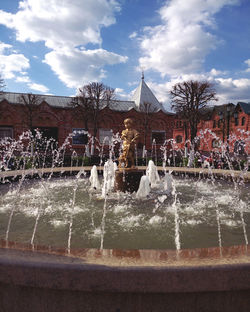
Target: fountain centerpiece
127, 176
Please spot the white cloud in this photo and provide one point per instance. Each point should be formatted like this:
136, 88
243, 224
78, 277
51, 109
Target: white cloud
180, 44
248, 64
11, 62
25, 79
214, 72
133, 35
76, 68
63, 26
61, 23
121, 94
227, 89
38, 87
32, 85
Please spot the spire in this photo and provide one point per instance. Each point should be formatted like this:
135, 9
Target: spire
142, 74
143, 95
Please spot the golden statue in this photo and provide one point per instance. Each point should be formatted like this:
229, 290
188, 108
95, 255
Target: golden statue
130, 137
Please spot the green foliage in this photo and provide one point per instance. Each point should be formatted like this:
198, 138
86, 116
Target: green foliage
185, 161
86, 161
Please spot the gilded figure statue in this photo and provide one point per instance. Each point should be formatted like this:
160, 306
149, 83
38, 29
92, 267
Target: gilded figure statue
129, 137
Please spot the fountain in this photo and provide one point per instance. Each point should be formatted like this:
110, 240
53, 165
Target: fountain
177, 240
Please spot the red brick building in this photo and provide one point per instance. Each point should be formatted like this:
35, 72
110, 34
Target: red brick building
56, 118
228, 124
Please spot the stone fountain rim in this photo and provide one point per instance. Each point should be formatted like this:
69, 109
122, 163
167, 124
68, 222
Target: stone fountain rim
24, 267
202, 171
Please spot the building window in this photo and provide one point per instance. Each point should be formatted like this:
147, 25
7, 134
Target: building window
47, 132
243, 121
178, 139
80, 136
158, 136
6, 132
178, 124
239, 147
215, 143
236, 121
214, 124
105, 136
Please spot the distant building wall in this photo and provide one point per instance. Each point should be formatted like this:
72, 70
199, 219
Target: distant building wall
13, 120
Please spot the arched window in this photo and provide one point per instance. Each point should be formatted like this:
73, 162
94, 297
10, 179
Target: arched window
243, 121
214, 124
178, 139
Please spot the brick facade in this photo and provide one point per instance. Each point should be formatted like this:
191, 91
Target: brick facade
64, 119
227, 123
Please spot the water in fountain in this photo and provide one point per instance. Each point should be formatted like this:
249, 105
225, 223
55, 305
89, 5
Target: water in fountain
176, 212
152, 174
144, 187
94, 180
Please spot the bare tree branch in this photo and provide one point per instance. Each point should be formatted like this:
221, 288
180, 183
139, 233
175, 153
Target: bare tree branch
30, 101
92, 98
2, 84
189, 98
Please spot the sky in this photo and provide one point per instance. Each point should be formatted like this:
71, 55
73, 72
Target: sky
56, 46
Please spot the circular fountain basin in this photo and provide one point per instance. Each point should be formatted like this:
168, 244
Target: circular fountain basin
133, 275
210, 214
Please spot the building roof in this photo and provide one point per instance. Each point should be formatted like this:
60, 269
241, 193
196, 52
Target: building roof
144, 95
64, 101
121, 106
53, 100
206, 112
245, 107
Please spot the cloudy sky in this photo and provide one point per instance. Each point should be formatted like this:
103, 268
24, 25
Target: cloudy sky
56, 46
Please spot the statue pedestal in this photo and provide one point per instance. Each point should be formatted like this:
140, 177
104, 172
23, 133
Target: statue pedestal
128, 180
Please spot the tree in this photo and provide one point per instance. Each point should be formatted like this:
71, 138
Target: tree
2, 84
30, 102
82, 107
189, 98
92, 98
